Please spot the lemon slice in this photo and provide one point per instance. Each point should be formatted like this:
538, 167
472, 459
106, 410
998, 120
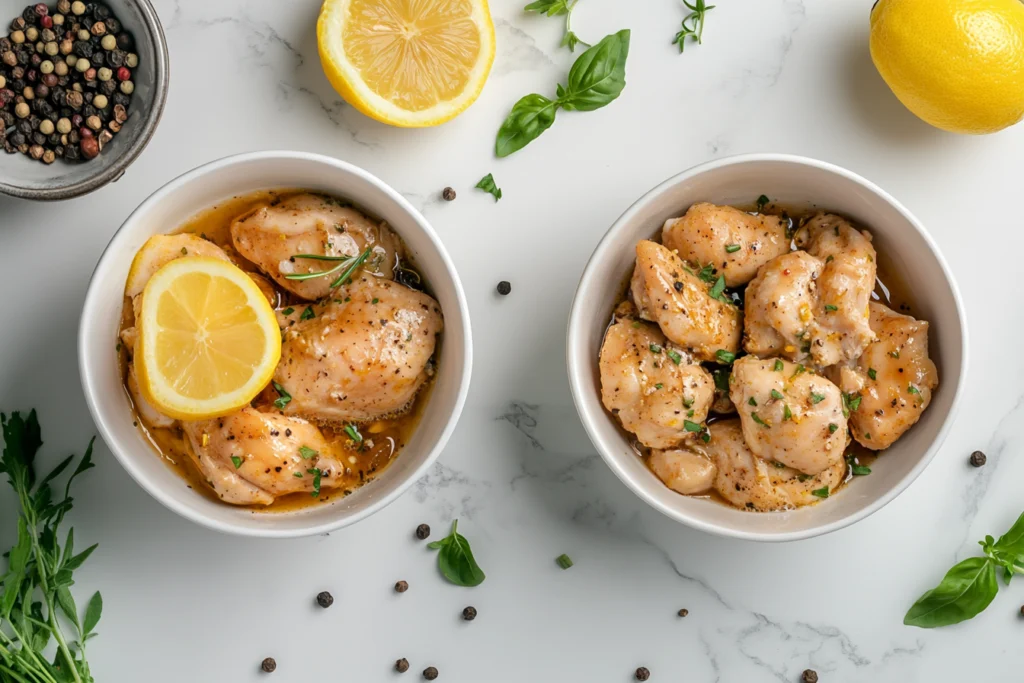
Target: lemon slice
208, 339
411, 63
159, 250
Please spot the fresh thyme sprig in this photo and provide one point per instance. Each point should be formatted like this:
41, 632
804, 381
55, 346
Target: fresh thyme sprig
693, 24
349, 263
556, 8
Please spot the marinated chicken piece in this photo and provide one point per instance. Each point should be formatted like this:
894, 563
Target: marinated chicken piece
650, 385
271, 234
146, 410
752, 483
250, 458
789, 414
684, 471
844, 287
779, 307
891, 384
361, 356
667, 292
735, 242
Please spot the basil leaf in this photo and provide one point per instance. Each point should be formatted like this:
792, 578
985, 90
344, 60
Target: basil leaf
487, 185
598, 75
455, 559
964, 592
530, 116
1013, 540
548, 7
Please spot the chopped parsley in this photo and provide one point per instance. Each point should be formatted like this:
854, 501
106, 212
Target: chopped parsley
687, 402
799, 369
850, 403
674, 356
803, 477
236, 461
375, 300
721, 377
830, 307
692, 426
832, 427
353, 433
895, 354
659, 385
787, 414
856, 468
707, 273
307, 314
817, 398
872, 374
306, 452
297, 475
316, 481
732, 248
724, 356
762, 202
830, 258
757, 418
288, 311
689, 413
563, 561
912, 389
820, 493
655, 348
283, 399
705, 436
752, 402
718, 289
776, 394
778, 366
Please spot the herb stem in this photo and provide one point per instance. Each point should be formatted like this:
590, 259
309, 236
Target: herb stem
568, 23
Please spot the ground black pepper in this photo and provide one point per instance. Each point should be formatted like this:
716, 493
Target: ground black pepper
642, 673
430, 673
809, 676
401, 586
978, 459
448, 194
469, 614
422, 531
504, 288
324, 599
402, 665
269, 665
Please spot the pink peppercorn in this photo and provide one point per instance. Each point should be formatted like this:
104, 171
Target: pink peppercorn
77, 120
124, 73
85, 132
41, 9
90, 74
46, 22
90, 147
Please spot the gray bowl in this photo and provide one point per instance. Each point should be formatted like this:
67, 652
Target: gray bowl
23, 177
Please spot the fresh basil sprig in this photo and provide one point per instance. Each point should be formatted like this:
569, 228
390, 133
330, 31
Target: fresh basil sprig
487, 184
970, 586
455, 561
554, 8
595, 80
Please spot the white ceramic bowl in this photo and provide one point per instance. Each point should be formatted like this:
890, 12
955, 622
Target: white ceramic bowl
199, 189
793, 181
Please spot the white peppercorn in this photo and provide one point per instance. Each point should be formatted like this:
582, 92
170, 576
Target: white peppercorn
46, 127
21, 110
64, 125
94, 122
51, 48
104, 74
131, 60
60, 68
18, 37
127, 87
100, 101
78, 7
109, 42
82, 65
46, 66
32, 33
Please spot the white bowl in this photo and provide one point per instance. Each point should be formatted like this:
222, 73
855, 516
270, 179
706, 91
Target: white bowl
790, 180
199, 189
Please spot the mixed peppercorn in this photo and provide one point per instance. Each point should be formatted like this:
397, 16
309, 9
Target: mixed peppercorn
65, 81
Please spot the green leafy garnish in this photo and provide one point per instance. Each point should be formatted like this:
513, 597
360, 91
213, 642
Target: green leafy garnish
787, 414
817, 398
674, 356
830, 307
283, 399
37, 582
455, 561
871, 373
564, 561
693, 24
800, 369
353, 433
778, 367
655, 348
595, 80
236, 461
707, 273
762, 202
820, 493
306, 452
912, 389
751, 401
832, 427
288, 311
732, 248
555, 8
895, 354
724, 356
850, 403
659, 385
777, 395
692, 426
856, 468
757, 418
487, 185
297, 475
316, 481
307, 314
347, 264
718, 289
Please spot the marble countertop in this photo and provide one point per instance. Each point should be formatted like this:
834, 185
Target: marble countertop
184, 603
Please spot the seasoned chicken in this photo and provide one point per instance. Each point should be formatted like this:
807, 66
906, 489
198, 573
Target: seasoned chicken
750, 482
779, 307
891, 384
360, 356
250, 458
844, 287
273, 233
650, 385
684, 471
733, 241
789, 414
668, 293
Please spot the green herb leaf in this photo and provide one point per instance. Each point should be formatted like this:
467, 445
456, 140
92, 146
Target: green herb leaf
353, 433
563, 561
872, 374
674, 356
762, 202
692, 426
718, 289
530, 116
297, 475
93, 611
751, 401
659, 385
820, 493
237, 461
860, 470
707, 273
777, 395
306, 452
693, 28
1013, 540
787, 414
598, 76
307, 314
283, 399
832, 427
655, 348
912, 389
724, 356
817, 398
732, 248
315, 493
721, 377
831, 308
966, 589
548, 7
455, 559
778, 367
757, 418
288, 311
487, 184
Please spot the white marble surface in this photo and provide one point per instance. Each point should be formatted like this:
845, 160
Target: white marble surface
183, 603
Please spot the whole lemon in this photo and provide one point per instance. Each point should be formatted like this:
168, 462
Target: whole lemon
957, 64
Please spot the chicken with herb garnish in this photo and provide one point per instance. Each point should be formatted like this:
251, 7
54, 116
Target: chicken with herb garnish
275, 235
735, 242
650, 385
779, 307
682, 470
892, 381
690, 314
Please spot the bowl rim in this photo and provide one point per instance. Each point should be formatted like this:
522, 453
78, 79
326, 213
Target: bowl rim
94, 400
155, 34
574, 358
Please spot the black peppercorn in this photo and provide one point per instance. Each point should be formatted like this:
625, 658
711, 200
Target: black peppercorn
115, 58
448, 194
401, 586
642, 673
122, 99
422, 531
402, 665
18, 139
124, 41
469, 614
430, 673
101, 12
809, 676
18, 24
71, 152
683, 612
324, 599
269, 665
978, 459
29, 15
83, 49
504, 288
113, 25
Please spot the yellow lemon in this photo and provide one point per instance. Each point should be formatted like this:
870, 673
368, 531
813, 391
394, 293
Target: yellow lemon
957, 64
159, 250
208, 339
411, 63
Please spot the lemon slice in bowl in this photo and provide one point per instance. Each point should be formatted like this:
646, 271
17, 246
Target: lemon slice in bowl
208, 339
407, 63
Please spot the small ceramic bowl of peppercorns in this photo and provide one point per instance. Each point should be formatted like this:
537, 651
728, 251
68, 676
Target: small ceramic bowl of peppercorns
82, 88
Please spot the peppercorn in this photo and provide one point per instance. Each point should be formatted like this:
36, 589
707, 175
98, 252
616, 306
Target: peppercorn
401, 586
402, 665
125, 41
100, 101
31, 34
63, 126
124, 74
49, 80
21, 110
49, 156
109, 42
17, 139
98, 29
121, 98
78, 7
448, 194
423, 530
46, 127
18, 37
9, 58
469, 614
58, 19
46, 22
63, 6
104, 137
36, 152
504, 288
683, 612
83, 49
116, 58
82, 65
90, 147
430, 673
978, 459
642, 673
809, 676
127, 87
269, 665
72, 152
18, 24
324, 599
29, 15
66, 46
97, 60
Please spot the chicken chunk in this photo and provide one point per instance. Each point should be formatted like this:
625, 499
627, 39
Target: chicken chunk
271, 234
779, 306
844, 287
684, 471
891, 384
650, 385
735, 242
250, 458
789, 414
666, 292
751, 483
362, 355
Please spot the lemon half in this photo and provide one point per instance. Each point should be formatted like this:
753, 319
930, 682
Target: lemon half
208, 339
410, 63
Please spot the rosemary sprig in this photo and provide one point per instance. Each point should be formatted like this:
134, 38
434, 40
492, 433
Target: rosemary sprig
693, 24
348, 263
